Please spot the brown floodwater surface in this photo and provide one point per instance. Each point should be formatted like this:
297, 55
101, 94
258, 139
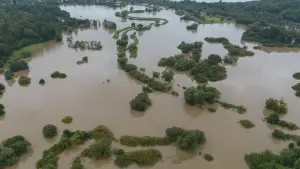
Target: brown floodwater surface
90, 100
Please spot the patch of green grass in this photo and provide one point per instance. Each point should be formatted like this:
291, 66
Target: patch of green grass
31, 48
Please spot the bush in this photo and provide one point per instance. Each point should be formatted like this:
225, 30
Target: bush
118, 151
278, 106
2, 109
18, 143
142, 69
24, 81
296, 76
8, 75
141, 102
147, 89
296, 87
192, 26
50, 131
85, 59
280, 135
246, 124
214, 59
26, 54
133, 141
100, 149
201, 95
211, 109
216, 40
42, 82
297, 93
67, 119
148, 157
59, 75
190, 139
186, 139
167, 75
156, 74
2, 87
102, 131
18, 65
208, 157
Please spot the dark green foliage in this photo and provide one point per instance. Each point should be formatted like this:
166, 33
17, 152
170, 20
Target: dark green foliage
26, 54
240, 109
2, 88
67, 119
272, 35
234, 50
18, 65
141, 102
122, 61
2, 109
18, 143
85, 59
129, 67
211, 109
67, 140
42, 82
58, 75
201, 95
133, 141
208, 157
156, 74
109, 24
216, 40
278, 106
8, 75
118, 151
147, 157
188, 47
192, 26
273, 118
49, 131
281, 135
190, 139
142, 69
246, 123
24, 81
214, 59
77, 166
296, 87
186, 139
167, 75
102, 131
91, 45
147, 89
291, 145
100, 149
297, 93
211, 72
296, 76
12, 148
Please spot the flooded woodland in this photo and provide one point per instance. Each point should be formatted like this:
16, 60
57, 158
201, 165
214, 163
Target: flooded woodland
90, 99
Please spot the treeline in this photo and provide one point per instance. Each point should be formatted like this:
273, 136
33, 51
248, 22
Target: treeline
25, 24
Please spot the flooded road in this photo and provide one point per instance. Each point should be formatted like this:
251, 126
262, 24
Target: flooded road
90, 100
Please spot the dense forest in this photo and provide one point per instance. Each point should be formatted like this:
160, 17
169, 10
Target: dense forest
23, 24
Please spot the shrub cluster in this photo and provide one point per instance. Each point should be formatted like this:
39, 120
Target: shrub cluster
216, 40
67, 119
297, 89
58, 75
11, 150
277, 106
2, 109
133, 141
201, 94
24, 81
247, 123
100, 149
141, 102
42, 82
18, 65
102, 131
83, 60
192, 26
274, 119
67, 140
186, 139
240, 109
49, 131
147, 157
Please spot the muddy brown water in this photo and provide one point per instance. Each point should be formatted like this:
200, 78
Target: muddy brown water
90, 100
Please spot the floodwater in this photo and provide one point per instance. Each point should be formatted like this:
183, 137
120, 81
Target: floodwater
90, 100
